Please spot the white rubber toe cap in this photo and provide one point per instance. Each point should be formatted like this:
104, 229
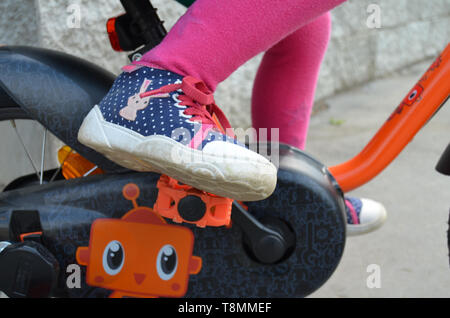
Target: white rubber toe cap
241, 164
371, 212
373, 215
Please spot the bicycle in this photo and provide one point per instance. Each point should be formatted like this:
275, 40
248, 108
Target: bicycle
287, 245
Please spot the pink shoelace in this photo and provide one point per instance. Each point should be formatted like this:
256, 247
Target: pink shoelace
198, 99
352, 211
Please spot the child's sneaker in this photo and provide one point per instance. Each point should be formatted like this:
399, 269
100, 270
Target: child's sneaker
157, 120
363, 215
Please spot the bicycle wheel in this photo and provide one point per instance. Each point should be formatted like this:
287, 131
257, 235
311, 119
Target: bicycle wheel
29, 151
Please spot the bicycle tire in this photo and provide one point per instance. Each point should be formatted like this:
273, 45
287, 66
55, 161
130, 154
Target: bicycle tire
9, 113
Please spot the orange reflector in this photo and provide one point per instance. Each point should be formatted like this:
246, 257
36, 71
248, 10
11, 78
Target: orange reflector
74, 165
113, 37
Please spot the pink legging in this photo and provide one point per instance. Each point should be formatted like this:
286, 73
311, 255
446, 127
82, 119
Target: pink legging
215, 37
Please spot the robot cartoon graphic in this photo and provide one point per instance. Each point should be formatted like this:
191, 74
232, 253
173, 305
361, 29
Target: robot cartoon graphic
139, 255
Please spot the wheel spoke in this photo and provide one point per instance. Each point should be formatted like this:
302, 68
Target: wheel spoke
90, 171
44, 142
13, 123
60, 166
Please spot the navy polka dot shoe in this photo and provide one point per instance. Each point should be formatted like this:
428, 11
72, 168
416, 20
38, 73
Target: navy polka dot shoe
156, 120
363, 215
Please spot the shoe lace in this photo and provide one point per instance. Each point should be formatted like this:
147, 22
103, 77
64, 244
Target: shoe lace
199, 101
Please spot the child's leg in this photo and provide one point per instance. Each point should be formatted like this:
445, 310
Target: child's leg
215, 37
283, 92
283, 95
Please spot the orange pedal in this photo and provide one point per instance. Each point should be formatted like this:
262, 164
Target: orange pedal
183, 203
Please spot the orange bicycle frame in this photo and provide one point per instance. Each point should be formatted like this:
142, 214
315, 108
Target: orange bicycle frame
421, 103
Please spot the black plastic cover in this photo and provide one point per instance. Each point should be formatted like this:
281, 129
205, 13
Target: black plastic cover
27, 269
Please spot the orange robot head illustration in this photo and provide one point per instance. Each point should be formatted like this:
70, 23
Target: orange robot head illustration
139, 255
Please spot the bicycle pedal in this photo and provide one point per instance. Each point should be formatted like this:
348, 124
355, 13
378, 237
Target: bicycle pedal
183, 203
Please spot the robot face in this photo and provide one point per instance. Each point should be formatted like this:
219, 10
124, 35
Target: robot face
139, 254
140, 258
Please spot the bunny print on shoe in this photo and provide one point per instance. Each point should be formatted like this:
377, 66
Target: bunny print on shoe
157, 120
136, 103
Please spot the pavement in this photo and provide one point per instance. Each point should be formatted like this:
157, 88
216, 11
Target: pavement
409, 252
